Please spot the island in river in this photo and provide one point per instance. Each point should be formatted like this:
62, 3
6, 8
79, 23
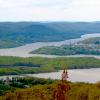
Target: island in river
24, 51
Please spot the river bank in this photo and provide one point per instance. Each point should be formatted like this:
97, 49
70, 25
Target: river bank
23, 51
75, 75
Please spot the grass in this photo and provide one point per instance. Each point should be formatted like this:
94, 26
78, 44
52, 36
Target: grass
78, 91
17, 65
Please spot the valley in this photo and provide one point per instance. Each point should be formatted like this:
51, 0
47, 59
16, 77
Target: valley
15, 34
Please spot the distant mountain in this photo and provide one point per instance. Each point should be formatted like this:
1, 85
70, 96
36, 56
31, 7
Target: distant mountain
13, 34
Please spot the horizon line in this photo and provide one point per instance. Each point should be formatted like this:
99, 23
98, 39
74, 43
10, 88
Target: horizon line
48, 21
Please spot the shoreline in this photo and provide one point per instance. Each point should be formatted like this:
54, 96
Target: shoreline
75, 75
23, 51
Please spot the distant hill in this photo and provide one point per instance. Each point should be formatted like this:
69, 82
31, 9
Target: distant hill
13, 34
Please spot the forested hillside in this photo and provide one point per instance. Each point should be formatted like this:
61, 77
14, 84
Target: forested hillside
16, 34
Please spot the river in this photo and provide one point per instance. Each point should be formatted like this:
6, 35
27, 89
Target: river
23, 51
75, 75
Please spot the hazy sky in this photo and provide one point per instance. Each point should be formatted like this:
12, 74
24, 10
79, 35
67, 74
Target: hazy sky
49, 10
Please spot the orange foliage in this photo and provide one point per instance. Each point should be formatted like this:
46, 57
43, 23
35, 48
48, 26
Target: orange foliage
62, 88
58, 93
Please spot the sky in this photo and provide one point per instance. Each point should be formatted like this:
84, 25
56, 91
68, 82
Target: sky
49, 10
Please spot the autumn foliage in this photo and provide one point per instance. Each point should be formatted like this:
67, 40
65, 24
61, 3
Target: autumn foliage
59, 93
62, 87
57, 90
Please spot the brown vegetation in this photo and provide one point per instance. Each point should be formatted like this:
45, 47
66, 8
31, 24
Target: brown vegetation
59, 90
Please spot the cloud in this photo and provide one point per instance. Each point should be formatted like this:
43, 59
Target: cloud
34, 3
36, 10
87, 10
